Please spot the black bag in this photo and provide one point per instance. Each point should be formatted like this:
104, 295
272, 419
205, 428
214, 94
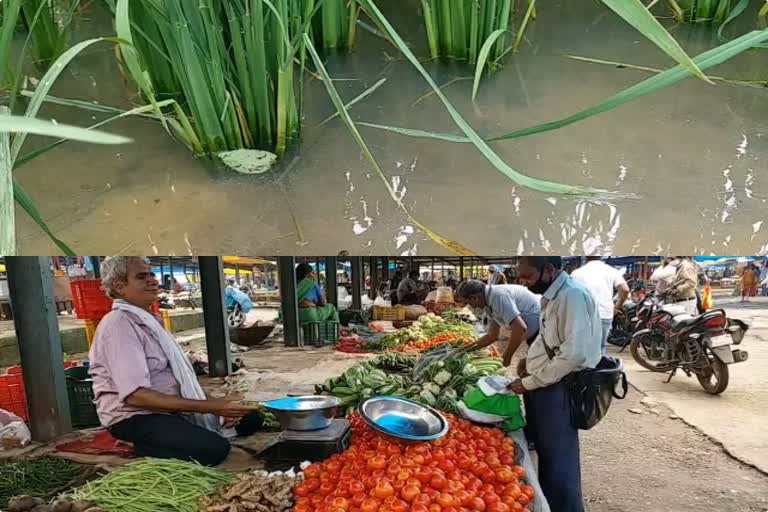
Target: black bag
592, 391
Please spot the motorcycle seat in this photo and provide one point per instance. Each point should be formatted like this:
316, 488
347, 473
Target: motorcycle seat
683, 320
674, 309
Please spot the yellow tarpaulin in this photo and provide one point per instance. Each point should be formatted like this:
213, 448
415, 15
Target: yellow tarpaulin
241, 260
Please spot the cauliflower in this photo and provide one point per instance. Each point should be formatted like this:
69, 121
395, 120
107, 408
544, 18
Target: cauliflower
428, 397
432, 388
450, 394
469, 369
442, 378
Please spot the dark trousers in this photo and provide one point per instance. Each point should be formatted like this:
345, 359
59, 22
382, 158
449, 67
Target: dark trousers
557, 445
168, 436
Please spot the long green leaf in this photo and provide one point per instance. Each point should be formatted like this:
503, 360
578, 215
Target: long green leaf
482, 60
21, 124
21, 197
737, 10
46, 84
419, 134
482, 146
357, 99
637, 15
450, 245
651, 85
7, 210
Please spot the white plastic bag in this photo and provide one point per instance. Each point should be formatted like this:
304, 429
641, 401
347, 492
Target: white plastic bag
13, 431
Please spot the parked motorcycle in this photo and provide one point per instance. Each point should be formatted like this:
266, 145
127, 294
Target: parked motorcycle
702, 345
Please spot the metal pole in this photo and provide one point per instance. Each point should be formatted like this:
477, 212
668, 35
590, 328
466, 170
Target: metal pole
215, 315
461, 268
96, 266
374, 278
237, 273
286, 270
331, 281
170, 273
357, 270
30, 283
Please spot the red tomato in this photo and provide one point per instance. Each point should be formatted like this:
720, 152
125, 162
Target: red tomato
438, 482
490, 498
498, 507
356, 487
446, 500
393, 450
519, 471
463, 462
528, 490
463, 497
316, 499
383, 490
303, 507
523, 499
434, 507
302, 490
358, 499
477, 504
419, 508
488, 476
413, 481
418, 459
333, 466
377, 462
313, 471
369, 505
438, 455
421, 499
410, 492
446, 465
505, 476
513, 490
507, 460
340, 504
326, 488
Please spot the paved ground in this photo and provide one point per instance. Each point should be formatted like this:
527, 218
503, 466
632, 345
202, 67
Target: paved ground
738, 419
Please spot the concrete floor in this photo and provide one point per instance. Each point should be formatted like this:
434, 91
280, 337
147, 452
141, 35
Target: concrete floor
736, 419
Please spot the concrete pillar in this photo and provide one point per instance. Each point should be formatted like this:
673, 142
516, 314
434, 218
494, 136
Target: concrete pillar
286, 269
30, 283
215, 315
331, 281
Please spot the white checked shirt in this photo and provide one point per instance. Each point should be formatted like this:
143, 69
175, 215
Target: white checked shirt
570, 324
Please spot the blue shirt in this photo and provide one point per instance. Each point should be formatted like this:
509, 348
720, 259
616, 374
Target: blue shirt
315, 295
235, 296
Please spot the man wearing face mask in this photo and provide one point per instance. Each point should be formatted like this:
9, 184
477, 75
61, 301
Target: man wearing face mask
569, 339
513, 312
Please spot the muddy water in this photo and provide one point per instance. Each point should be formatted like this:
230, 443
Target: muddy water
695, 155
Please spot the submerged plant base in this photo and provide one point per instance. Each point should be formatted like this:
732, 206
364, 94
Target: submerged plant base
248, 161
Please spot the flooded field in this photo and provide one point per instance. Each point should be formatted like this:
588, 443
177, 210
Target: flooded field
694, 155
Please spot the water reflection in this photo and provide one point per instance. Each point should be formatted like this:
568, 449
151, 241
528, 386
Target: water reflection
693, 154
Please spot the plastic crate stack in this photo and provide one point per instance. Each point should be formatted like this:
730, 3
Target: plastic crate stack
91, 304
13, 397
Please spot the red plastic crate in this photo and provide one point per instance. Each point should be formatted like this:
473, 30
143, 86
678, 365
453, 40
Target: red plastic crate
91, 303
12, 395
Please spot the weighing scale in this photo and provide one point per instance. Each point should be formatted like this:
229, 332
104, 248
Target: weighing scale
297, 446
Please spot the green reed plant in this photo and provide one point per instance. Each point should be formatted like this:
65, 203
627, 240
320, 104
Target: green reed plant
706, 11
49, 22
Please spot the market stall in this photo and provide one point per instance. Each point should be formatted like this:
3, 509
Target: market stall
349, 461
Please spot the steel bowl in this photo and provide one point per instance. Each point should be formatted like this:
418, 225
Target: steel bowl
310, 412
403, 418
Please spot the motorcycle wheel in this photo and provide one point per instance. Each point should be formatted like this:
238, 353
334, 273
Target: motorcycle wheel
639, 350
714, 379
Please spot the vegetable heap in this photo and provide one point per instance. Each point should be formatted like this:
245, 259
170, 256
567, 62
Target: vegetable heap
260, 491
471, 468
36, 477
440, 384
154, 484
434, 341
425, 328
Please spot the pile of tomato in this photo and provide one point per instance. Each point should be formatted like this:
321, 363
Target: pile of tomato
350, 345
434, 341
471, 469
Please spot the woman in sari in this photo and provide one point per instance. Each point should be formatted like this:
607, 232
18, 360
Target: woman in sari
312, 304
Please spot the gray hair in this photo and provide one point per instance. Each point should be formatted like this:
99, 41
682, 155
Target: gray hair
114, 269
469, 288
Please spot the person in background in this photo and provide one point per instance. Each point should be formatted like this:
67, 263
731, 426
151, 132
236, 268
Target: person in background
749, 280
451, 282
394, 283
513, 314
312, 304
764, 279
662, 277
569, 340
495, 276
235, 297
604, 283
683, 290
145, 388
409, 289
